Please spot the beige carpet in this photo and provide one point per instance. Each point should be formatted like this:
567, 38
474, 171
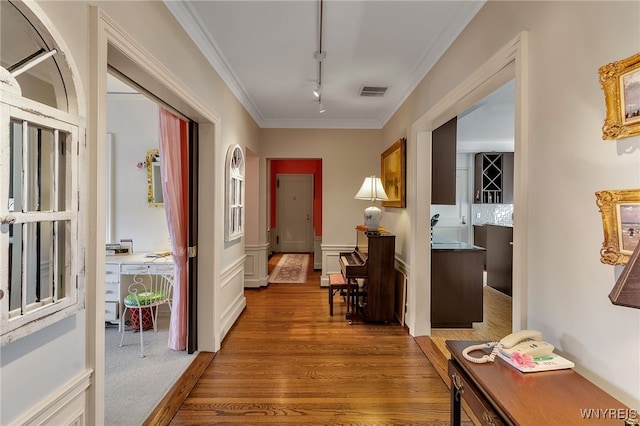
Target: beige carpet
134, 385
292, 269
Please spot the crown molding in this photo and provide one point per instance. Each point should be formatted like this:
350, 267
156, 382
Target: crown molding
192, 25
321, 123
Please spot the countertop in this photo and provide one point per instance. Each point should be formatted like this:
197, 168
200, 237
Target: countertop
439, 243
494, 224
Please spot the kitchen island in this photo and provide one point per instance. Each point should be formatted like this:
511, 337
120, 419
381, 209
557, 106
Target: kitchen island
456, 284
498, 241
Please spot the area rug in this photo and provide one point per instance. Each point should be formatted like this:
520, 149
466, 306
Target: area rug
292, 269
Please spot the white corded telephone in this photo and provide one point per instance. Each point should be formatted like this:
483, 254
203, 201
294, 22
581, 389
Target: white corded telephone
525, 341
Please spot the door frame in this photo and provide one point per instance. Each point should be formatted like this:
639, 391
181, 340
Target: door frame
192, 238
111, 46
510, 62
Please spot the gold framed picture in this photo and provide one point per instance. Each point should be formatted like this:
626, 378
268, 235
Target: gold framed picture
393, 174
621, 224
621, 84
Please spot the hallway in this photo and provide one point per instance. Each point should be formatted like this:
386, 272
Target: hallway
286, 361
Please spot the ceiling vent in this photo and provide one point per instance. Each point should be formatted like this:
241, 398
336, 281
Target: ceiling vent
373, 91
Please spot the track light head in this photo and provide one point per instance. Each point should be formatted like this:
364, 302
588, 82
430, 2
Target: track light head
317, 91
320, 55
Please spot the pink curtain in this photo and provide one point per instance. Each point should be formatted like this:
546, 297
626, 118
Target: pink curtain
174, 165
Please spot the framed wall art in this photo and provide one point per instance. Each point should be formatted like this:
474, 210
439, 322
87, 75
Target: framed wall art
621, 224
621, 84
393, 173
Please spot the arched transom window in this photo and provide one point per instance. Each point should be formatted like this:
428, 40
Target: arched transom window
234, 212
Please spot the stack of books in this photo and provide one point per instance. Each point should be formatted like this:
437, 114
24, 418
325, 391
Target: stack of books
545, 363
115, 248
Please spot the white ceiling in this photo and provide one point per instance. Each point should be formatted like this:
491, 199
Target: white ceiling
264, 51
489, 125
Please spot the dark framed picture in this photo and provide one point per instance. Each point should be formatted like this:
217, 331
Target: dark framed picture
621, 84
393, 162
620, 211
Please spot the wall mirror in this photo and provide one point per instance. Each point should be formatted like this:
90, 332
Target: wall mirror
154, 179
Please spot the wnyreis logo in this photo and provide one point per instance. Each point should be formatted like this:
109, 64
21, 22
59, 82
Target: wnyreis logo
608, 413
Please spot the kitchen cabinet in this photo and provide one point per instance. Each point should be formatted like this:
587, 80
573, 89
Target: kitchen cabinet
480, 239
498, 242
493, 183
456, 285
443, 163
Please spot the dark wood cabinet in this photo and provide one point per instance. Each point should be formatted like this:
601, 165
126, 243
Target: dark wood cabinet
443, 163
480, 239
456, 287
493, 182
380, 283
499, 245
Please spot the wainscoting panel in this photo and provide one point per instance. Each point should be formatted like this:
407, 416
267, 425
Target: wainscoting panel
256, 266
65, 407
317, 253
400, 304
331, 261
231, 296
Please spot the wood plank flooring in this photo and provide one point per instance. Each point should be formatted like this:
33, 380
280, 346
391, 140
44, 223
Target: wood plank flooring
286, 361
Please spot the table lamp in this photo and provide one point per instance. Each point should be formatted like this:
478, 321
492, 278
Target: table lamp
372, 190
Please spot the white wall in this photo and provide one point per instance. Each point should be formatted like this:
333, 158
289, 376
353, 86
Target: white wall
567, 162
35, 366
348, 156
56, 355
41, 363
133, 122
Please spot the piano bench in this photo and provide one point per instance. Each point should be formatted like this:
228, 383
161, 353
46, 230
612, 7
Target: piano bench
336, 282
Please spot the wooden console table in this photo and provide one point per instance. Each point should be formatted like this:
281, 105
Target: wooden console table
498, 394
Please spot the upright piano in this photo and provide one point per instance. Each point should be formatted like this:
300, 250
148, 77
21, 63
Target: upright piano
373, 261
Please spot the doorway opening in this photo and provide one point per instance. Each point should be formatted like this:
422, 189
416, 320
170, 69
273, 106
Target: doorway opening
507, 64
484, 205
295, 206
137, 214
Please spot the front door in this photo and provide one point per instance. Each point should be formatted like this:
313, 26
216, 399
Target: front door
294, 195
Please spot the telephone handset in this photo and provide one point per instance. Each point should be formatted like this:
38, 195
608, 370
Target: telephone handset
524, 341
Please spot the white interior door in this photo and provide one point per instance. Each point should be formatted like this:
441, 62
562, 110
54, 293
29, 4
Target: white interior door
294, 195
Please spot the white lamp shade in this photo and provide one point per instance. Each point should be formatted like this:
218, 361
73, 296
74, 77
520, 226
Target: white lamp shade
371, 190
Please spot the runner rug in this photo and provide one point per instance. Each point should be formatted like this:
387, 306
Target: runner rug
292, 268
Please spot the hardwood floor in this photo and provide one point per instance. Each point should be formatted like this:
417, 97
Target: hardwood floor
286, 361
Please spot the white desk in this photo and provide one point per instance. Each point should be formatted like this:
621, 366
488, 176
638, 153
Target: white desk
119, 272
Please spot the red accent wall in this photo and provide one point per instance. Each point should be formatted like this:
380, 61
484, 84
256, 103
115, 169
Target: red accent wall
313, 167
